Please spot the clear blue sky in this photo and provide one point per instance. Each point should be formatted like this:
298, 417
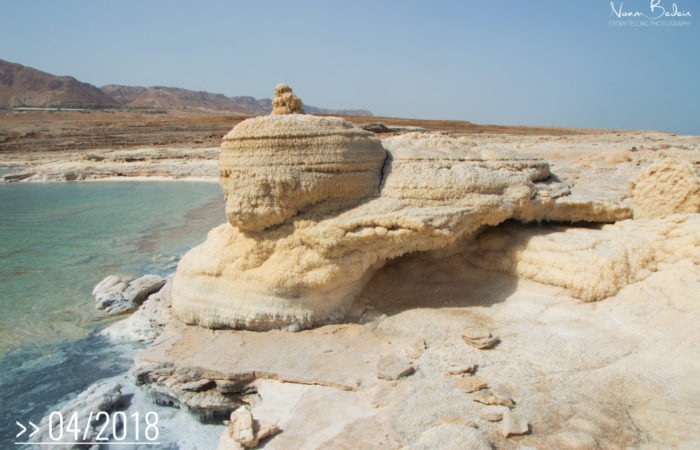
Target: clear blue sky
510, 62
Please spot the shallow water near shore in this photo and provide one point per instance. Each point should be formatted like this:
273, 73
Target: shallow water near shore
57, 240
35, 381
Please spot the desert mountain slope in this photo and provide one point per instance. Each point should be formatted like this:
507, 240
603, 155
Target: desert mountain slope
167, 97
24, 86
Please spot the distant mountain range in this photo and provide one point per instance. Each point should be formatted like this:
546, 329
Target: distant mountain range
25, 86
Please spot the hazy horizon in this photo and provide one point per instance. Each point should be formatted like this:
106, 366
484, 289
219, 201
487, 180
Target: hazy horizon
503, 63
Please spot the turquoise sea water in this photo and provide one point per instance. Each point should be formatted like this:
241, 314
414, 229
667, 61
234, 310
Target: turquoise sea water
57, 240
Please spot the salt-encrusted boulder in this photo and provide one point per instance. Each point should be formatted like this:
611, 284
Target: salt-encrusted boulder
285, 102
314, 206
115, 295
108, 283
142, 287
271, 167
109, 291
243, 431
147, 322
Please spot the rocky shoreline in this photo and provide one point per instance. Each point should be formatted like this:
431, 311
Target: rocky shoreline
154, 163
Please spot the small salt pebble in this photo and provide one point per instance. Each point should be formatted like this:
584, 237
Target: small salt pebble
481, 343
460, 367
469, 385
476, 334
493, 413
494, 397
513, 424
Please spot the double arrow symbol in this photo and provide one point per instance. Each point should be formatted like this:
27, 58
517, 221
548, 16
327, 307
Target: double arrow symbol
24, 429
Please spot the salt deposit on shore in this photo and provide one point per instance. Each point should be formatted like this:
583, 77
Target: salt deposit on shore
148, 163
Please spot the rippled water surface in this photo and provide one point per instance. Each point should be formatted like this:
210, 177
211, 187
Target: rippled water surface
57, 240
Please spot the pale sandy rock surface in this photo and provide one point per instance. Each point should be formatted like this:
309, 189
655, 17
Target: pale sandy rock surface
562, 361
493, 397
481, 341
392, 368
459, 367
599, 168
109, 291
226, 442
341, 356
142, 287
470, 384
451, 437
107, 283
618, 372
456, 420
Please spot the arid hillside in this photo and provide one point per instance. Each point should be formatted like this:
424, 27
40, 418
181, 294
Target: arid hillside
24, 86
168, 97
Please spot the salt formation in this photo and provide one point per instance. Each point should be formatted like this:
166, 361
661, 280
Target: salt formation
513, 424
285, 102
243, 431
115, 295
613, 375
591, 264
148, 322
314, 206
271, 167
667, 187
563, 365
80, 412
